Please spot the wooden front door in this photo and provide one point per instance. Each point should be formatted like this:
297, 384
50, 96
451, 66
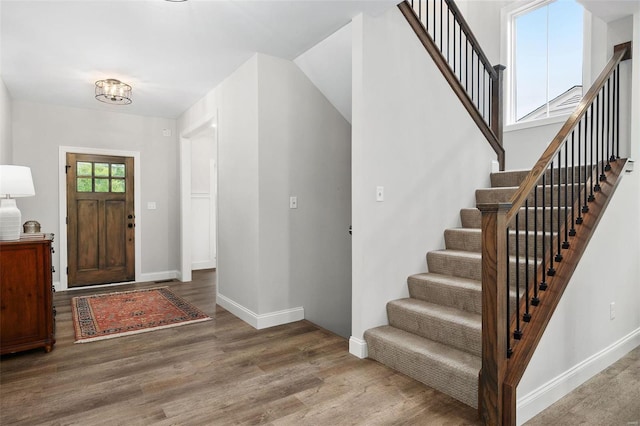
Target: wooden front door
100, 219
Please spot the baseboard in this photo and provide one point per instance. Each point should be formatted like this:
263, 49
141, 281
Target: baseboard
158, 276
143, 278
203, 264
260, 321
358, 347
544, 396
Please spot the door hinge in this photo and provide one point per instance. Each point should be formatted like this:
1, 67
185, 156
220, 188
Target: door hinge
66, 220
67, 270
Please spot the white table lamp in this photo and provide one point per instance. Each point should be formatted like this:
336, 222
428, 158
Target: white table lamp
15, 181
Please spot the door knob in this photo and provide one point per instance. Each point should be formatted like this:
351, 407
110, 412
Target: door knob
130, 225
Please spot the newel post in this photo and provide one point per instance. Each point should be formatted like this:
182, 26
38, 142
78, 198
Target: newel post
494, 311
497, 103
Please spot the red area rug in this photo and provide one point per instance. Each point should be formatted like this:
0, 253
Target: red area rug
105, 316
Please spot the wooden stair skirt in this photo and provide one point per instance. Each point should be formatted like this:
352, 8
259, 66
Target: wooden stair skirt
434, 336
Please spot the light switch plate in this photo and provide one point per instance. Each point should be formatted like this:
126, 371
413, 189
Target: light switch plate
380, 193
293, 202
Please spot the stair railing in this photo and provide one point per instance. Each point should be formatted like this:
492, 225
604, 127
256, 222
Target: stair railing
456, 52
532, 244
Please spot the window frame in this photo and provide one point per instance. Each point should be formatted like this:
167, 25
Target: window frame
509, 14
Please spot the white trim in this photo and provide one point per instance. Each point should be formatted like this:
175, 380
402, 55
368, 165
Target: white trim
260, 321
144, 278
536, 123
544, 396
358, 347
203, 264
158, 276
63, 284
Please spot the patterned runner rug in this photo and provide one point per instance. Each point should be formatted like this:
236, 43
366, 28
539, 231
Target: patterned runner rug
105, 316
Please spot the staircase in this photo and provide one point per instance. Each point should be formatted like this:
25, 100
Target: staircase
434, 336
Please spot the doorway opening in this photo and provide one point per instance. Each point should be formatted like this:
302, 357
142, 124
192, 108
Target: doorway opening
199, 197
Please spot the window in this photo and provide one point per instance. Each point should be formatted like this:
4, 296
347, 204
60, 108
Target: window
100, 177
545, 66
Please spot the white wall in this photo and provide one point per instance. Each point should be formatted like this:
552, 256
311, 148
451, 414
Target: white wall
6, 145
305, 151
411, 135
280, 137
328, 66
524, 146
38, 132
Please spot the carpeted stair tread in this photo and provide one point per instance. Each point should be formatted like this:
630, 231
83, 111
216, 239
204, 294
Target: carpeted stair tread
456, 263
472, 218
439, 366
504, 195
516, 177
451, 326
470, 239
456, 292
468, 264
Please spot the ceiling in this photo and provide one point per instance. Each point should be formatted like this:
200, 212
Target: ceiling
611, 10
171, 53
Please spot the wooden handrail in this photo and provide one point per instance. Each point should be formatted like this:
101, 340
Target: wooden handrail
530, 182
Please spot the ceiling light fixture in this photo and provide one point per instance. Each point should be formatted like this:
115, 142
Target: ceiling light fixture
112, 91
176, 1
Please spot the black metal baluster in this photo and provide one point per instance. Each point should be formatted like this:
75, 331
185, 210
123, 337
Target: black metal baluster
535, 301
466, 65
508, 318
591, 196
527, 316
460, 49
617, 74
434, 20
441, 7
454, 46
609, 133
448, 30
517, 333
543, 283
551, 271
558, 251
572, 231
565, 243
603, 113
472, 79
478, 76
580, 168
596, 186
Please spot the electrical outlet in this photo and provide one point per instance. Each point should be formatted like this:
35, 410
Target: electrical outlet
612, 310
380, 193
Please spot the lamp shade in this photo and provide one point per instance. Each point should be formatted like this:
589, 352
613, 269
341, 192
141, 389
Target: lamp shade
16, 181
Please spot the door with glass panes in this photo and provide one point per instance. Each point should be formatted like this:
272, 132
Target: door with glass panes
100, 219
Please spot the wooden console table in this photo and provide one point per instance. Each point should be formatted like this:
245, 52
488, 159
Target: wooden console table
26, 295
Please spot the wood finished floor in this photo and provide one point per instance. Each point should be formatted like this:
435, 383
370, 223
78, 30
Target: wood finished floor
216, 372
224, 372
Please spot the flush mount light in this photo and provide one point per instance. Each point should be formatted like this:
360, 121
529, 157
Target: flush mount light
112, 91
176, 1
